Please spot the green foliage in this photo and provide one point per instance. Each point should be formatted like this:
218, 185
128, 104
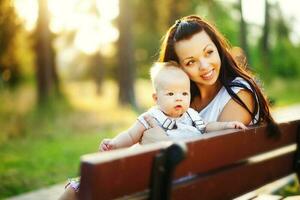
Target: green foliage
283, 91
224, 21
285, 59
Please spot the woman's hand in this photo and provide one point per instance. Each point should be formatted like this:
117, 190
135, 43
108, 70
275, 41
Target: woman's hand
235, 124
155, 133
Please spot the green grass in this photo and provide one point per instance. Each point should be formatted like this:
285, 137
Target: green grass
32, 162
49, 150
42, 146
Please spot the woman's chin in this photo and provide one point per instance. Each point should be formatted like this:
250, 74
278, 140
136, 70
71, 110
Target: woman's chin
208, 82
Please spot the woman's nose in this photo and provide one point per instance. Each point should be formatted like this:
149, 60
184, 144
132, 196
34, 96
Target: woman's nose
203, 63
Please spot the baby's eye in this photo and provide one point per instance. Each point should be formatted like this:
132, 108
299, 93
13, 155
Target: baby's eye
170, 93
185, 93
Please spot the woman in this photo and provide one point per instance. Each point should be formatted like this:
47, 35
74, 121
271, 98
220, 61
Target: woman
221, 89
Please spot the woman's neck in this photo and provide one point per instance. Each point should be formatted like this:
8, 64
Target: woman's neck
207, 94
209, 91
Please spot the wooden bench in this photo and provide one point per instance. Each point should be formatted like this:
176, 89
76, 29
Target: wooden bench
221, 165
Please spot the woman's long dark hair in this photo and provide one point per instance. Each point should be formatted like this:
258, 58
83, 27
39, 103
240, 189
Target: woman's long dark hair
185, 28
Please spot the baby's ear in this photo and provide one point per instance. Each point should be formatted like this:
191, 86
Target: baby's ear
154, 97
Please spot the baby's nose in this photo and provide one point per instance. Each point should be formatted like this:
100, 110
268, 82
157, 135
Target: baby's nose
178, 98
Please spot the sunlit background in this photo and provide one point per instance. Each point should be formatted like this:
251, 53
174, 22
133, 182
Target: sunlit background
88, 19
74, 15
82, 76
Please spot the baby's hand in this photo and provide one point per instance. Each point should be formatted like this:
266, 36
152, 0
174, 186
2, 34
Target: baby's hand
106, 145
236, 124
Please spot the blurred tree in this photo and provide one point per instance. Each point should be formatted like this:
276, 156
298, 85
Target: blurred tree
168, 11
47, 78
265, 48
96, 60
9, 29
146, 35
243, 33
152, 20
126, 65
97, 70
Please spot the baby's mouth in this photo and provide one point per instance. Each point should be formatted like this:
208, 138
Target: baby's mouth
178, 107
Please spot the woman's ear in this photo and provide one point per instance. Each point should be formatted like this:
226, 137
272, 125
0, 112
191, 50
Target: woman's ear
154, 97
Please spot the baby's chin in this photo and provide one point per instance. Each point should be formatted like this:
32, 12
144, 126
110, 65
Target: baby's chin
176, 114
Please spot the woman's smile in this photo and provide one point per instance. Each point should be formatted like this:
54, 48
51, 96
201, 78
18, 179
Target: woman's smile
209, 75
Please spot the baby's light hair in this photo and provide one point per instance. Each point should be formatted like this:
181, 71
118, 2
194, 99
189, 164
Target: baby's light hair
158, 67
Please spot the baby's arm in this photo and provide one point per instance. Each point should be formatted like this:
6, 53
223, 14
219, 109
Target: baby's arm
216, 126
124, 139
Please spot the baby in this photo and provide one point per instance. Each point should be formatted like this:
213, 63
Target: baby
172, 97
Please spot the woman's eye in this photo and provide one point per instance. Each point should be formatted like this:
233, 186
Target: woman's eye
209, 52
189, 63
185, 94
170, 94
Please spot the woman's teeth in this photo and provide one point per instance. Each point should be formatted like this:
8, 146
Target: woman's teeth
208, 75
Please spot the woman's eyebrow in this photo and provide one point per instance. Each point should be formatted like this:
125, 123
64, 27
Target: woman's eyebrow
202, 50
206, 47
188, 58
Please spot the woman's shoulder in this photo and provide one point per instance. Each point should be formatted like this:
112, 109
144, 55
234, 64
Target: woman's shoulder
239, 83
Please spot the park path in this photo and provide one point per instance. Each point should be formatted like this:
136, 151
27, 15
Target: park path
53, 192
47, 193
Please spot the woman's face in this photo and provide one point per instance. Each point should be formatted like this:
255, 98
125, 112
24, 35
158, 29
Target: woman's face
199, 58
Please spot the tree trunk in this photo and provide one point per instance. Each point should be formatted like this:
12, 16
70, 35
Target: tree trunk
243, 34
126, 66
265, 38
97, 71
47, 79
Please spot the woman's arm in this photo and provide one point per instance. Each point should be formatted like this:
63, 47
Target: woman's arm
155, 133
216, 126
235, 112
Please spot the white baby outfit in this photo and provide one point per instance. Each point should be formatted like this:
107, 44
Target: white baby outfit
188, 125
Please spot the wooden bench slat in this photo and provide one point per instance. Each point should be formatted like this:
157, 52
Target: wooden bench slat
246, 177
133, 168
205, 154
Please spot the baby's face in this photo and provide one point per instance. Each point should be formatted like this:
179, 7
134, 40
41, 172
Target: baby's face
173, 96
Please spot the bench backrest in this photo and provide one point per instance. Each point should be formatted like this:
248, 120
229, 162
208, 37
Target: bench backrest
220, 165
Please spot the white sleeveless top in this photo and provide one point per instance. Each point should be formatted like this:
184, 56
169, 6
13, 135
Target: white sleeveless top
212, 111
